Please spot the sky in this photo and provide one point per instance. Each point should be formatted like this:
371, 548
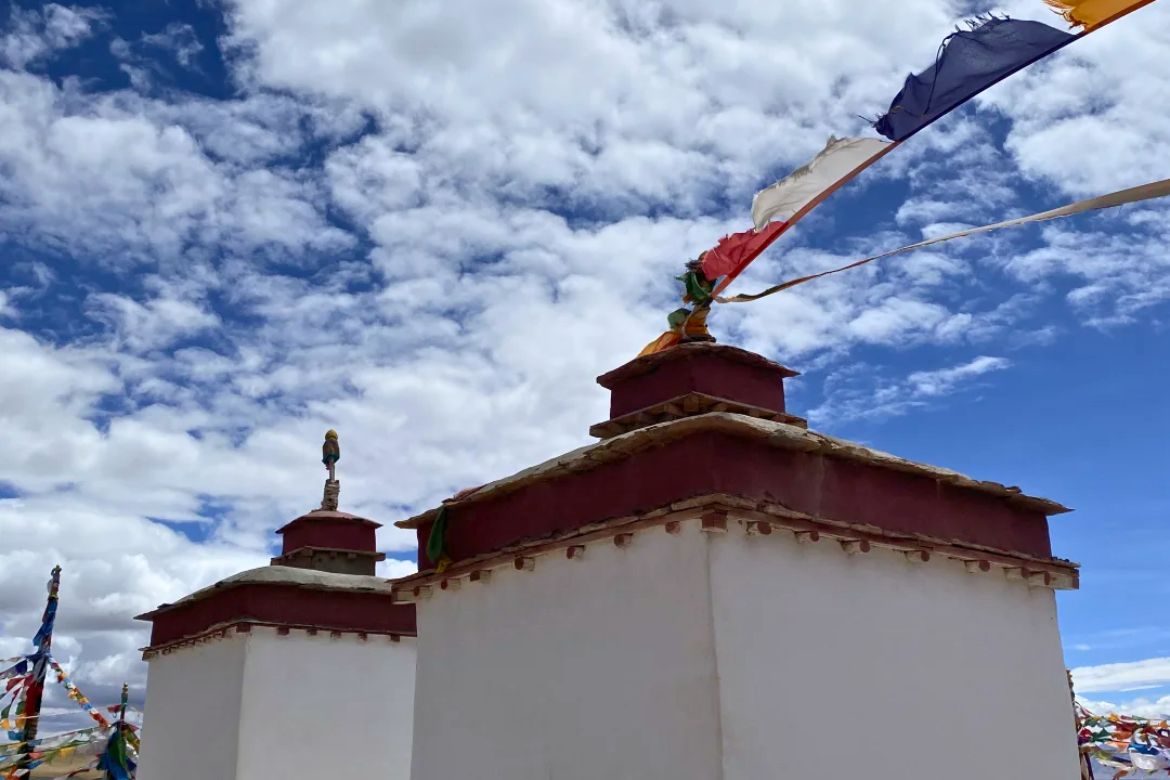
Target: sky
226, 227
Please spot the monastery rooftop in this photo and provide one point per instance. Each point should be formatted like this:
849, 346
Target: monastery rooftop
701, 430
309, 579
775, 434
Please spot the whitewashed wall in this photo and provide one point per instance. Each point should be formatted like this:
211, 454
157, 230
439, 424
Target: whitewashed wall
192, 718
260, 706
873, 666
740, 658
321, 707
575, 671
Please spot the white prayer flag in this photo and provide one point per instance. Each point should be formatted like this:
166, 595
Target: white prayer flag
837, 163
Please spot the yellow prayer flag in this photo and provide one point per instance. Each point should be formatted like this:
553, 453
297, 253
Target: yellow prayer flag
665, 341
1091, 14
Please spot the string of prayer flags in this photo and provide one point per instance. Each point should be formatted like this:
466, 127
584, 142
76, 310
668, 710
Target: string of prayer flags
18, 669
116, 747
12, 717
116, 760
77, 696
968, 62
1124, 743
45, 632
782, 205
1158, 189
797, 193
111, 747
735, 251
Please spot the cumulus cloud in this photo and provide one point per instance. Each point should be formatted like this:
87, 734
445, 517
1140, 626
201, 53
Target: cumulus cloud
858, 391
32, 34
109, 179
1141, 707
179, 39
943, 381
154, 323
430, 227
1122, 676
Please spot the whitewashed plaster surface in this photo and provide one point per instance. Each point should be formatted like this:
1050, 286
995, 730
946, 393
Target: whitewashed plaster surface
281, 707
578, 670
873, 666
192, 723
741, 658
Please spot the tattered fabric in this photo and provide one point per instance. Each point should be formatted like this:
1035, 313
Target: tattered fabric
735, 251
1091, 14
437, 541
799, 191
968, 62
1157, 189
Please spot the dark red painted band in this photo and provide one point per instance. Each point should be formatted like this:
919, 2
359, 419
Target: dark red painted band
713, 462
755, 383
283, 604
330, 532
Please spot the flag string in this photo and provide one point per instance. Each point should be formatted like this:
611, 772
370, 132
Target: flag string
1151, 191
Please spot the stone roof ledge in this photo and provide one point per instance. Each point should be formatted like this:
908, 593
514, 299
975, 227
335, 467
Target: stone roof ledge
282, 575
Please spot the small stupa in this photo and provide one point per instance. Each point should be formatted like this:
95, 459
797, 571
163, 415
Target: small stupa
714, 591
302, 668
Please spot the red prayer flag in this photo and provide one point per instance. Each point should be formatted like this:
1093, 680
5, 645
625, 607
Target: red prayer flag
735, 251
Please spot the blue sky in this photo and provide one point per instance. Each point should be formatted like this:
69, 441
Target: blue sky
225, 228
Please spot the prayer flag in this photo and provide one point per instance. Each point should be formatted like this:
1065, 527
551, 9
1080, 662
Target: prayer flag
837, 163
1092, 14
735, 251
1157, 189
968, 62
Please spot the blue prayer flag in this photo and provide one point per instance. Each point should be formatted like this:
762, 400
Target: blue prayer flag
968, 62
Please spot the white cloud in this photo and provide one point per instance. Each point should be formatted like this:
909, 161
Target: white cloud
393, 569
155, 323
33, 34
1122, 676
1141, 707
178, 38
858, 391
429, 230
122, 179
618, 104
1082, 119
943, 381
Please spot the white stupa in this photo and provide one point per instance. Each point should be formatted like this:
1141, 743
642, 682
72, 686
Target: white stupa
714, 591
303, 668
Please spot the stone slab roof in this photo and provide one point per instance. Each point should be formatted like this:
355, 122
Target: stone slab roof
284, 575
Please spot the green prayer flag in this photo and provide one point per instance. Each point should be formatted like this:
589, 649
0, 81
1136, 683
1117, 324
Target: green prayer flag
677, 317
698, 292
437, 541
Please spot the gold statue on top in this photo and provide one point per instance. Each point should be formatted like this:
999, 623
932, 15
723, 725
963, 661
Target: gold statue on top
331, 453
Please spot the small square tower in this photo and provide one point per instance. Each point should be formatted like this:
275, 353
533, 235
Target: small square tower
714, 591
303, 668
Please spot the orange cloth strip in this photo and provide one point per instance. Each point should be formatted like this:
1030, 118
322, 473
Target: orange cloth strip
1092, 14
